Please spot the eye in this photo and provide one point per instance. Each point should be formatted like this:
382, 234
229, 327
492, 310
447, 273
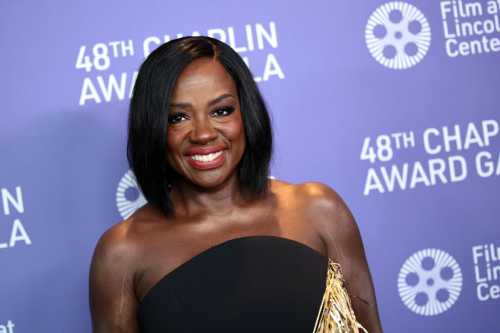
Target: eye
223, 111
175, 117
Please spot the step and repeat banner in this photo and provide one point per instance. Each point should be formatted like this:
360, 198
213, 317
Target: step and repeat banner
393, 104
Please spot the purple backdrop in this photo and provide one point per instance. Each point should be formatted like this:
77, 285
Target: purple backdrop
395, 105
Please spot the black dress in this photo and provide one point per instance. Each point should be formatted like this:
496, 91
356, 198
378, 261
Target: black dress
246, 284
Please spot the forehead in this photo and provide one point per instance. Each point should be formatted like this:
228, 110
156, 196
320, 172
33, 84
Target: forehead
203, 77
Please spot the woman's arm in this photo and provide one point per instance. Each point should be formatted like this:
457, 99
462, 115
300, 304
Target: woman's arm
112, 299
343, 240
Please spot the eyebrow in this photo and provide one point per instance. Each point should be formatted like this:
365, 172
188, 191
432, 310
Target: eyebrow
212, 102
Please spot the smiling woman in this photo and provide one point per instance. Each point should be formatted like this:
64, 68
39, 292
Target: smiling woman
221, 247
205, 133
163, 102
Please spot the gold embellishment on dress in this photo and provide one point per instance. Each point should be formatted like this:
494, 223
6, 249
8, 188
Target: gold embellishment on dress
335, 312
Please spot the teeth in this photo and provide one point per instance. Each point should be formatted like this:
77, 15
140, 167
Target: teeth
206, 158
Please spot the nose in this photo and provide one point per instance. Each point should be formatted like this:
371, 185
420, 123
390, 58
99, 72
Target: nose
202, 131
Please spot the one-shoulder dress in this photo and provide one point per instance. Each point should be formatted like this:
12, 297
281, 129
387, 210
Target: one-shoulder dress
250, 284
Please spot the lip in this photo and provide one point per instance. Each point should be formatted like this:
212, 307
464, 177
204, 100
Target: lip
203, 150
200, 165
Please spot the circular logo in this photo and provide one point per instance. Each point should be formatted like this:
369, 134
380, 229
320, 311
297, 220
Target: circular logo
430, 282
398, 35
128, 196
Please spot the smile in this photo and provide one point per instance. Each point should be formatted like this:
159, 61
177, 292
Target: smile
207, 161
206, 158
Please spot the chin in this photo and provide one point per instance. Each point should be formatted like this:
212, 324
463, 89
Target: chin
210, 182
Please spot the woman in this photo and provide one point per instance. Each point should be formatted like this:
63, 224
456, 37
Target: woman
219, 247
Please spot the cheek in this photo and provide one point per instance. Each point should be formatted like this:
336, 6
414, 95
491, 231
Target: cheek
173, 144
170, 142
236, 130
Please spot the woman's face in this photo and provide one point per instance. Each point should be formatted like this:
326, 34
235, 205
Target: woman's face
206, 137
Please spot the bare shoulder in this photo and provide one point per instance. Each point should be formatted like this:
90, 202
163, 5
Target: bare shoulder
319, 194
302, 191
338, 229
115, 243
330, 211
317, 198
115, 263
327, 205
115, 258
121, 243
317, 202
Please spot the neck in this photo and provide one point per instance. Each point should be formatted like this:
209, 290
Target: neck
192, 200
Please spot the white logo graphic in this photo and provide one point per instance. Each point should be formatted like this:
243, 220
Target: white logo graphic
128, 196
398, 35
430, 282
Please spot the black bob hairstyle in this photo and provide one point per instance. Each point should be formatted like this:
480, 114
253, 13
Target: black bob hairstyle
149, 107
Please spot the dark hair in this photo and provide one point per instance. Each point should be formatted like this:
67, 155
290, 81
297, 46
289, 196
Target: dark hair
147, 122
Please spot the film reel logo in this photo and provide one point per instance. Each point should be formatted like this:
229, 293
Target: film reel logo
398, 35
128, 196
430, 282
